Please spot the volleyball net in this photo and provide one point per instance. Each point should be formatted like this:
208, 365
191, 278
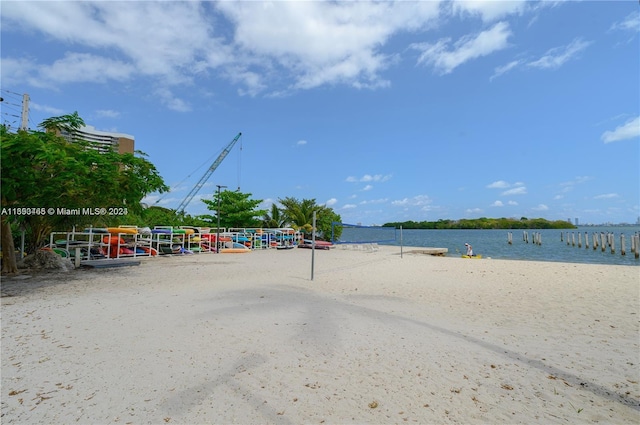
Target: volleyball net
344, 233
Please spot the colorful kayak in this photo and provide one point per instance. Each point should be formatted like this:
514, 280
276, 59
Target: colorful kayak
473, 257
117, 230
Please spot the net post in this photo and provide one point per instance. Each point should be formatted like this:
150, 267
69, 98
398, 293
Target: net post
313, 244
401, 246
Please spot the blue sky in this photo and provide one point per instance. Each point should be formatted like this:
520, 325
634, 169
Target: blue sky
385, 111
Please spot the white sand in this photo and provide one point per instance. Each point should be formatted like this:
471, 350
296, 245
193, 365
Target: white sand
374, 338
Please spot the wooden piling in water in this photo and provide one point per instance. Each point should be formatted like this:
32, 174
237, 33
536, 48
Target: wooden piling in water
612, 243
623, 248
586, 240
579, 240
603, 241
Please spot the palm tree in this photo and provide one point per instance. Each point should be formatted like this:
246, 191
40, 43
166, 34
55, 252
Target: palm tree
299, 213
65, 123
274, 219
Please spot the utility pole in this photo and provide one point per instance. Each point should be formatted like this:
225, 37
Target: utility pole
25, 112
218, 214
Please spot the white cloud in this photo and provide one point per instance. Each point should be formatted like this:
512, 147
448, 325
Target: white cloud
18, 71
606, 196
552, 59
154, 48
324, 42
502, 204
367, 187
369, 178
414, 201
349, 206
489, 10
630, 23
266, 203
81, 67
301, 142
505, 68
569, 185
374, 201
375, 178
473, 210
541, 207
558, 56
577, 180
500, 184
629, 130
331, 202
445, 59
167, 98
519, 190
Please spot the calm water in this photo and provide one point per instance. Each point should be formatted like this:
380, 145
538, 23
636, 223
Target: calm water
493, 243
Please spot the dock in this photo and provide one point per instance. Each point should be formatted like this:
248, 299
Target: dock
438, 252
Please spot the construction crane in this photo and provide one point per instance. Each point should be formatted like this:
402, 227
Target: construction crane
206, 176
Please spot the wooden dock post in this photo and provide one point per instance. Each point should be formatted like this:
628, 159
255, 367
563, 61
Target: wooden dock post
510, 238
612, 243
623, 248
579, 240
603, 241
573, 239
586, 240
595, 241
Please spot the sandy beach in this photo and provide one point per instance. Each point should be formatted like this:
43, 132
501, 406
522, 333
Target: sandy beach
374, 338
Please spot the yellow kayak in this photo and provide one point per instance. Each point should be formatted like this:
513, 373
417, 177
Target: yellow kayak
473, 257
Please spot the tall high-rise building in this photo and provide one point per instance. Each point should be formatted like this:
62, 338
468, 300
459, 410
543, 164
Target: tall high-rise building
103, 140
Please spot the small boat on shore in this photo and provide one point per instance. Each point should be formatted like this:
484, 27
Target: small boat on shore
308, 243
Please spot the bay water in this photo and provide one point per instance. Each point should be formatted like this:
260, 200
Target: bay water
494, 243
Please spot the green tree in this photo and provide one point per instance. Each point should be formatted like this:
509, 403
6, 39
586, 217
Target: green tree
159, 216
43, 170
236, 210
274, 219
299, 214
67, 123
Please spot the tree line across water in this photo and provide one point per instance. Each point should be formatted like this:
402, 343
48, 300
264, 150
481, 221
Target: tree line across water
485, 223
